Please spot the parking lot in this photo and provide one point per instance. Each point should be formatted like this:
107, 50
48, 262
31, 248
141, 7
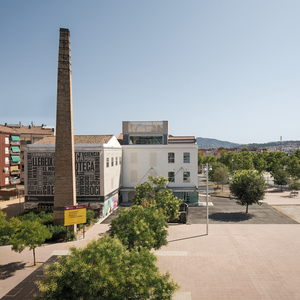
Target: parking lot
226, 211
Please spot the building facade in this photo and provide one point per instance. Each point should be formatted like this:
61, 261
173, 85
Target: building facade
30, 135
98, 161
9, 160
149, 149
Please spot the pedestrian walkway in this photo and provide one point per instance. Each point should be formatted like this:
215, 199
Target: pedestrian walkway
234, 261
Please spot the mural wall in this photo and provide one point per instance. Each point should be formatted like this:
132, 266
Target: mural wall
110, 205
41, 168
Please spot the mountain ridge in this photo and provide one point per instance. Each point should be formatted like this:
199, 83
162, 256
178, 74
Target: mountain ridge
208, 143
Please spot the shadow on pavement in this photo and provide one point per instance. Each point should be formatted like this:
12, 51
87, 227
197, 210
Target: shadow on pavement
8, 270
187, 238
230, 216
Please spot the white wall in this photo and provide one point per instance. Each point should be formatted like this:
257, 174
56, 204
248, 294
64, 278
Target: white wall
112, 174
138, 160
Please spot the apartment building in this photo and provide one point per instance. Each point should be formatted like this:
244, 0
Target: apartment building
30, 135
9, 161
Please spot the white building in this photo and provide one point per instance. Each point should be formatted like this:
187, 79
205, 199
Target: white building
148, 149
98, 160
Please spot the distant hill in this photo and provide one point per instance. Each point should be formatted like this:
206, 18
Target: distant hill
204, 143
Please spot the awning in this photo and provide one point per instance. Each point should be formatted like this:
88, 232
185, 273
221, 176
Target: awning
15, 149
15, 158
15, 138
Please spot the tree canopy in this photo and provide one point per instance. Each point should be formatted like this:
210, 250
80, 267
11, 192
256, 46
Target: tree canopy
140, 227
30, 234
155, 192
106, 270
248, 186
219, 174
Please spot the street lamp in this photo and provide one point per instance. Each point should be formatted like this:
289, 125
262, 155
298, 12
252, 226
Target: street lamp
18, 196
207, 169
232, 165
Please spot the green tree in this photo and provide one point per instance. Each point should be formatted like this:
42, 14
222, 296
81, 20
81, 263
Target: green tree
155, 192
200, 159
260, 164
281, 177
209, 159
7, 228
30, 234
219, 174
106, 270
140, 227
294, 183
293, 167
249, 187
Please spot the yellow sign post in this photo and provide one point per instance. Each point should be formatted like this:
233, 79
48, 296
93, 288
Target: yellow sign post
75, 215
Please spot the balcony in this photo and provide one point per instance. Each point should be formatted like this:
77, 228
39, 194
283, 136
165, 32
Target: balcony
13, 172
15, 180
15, 159
15, 150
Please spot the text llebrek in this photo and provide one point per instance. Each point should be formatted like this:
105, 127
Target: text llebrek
42, 161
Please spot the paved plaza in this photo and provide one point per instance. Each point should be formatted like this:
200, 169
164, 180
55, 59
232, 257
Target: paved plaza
251, 258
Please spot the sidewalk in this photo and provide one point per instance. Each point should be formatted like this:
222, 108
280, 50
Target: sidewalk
234, 261
13, 265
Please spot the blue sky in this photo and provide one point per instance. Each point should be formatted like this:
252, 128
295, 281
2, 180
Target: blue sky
220, 69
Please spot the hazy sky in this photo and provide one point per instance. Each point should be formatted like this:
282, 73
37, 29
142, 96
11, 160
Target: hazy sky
220, 69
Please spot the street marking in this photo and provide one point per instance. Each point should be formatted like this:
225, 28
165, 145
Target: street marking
60, 252
171, 253
183, 296
204, 204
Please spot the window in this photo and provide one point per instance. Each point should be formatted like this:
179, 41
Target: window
171, 176
6, 150
171, 157
145, 140
120, 160
6, 160
6, 140
6, 180
107, 162
186, 176
6, 170
116, 161
112, 161
186, 157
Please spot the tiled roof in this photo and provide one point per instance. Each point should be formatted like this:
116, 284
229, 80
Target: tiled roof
8, 130
80, 139
35, 130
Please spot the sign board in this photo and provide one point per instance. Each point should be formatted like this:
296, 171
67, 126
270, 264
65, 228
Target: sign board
75, 214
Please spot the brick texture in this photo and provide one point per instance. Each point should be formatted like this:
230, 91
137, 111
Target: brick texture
65, 189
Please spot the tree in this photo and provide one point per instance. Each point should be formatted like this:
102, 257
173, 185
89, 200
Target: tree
7, 228
294, 183
209, 159
200, 158
294, 167
249, 187
155, 192
106, 270
140, 227
281, 177
219, 174
30, 234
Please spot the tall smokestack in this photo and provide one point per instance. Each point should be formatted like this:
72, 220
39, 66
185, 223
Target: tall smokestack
64, 187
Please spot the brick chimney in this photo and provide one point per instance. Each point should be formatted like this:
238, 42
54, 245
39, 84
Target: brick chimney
64, 187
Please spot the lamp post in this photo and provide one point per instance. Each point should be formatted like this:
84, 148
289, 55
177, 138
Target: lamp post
19, 197
207, 169
232, 165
